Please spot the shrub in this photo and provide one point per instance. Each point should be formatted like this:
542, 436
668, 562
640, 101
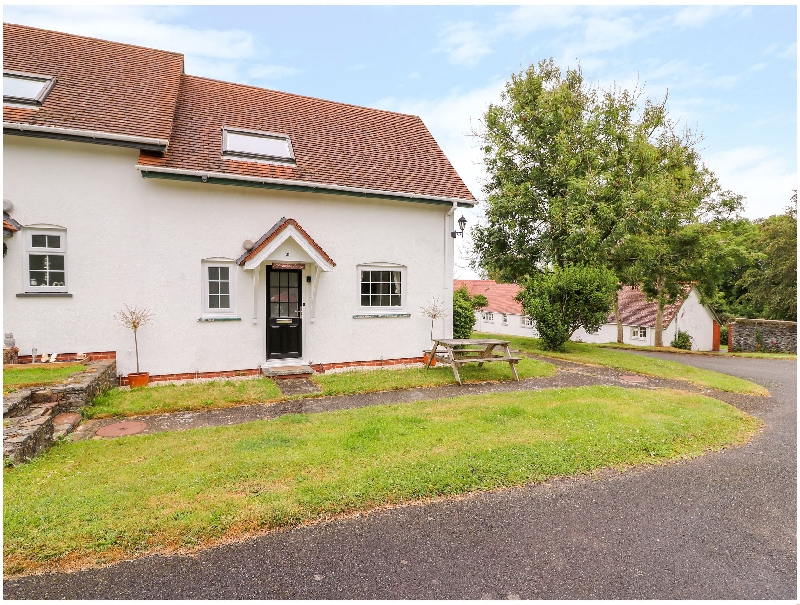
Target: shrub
682, 340
723, 335
463, 313
564, 299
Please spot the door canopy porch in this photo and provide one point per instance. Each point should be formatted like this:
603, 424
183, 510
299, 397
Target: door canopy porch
280, 233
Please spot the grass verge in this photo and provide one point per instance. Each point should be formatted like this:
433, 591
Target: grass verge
659, 368
350, 383
38, 375
722, 353
226, 393
182, 397
93, 502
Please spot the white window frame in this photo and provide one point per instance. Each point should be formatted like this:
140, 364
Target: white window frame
636, 333
207, 311
488, 316
383, 267
504, 318
527, 322
47, 85
257, 157
29, 232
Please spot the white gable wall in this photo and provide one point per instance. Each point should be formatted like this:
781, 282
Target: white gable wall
141, 242
514, 326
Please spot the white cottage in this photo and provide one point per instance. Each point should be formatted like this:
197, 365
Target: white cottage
504, 315
260, 228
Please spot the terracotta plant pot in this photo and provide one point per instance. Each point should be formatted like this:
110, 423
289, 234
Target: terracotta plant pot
138, 380
425, 358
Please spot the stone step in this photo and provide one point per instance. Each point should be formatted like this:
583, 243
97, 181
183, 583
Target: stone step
64, 424
286, 371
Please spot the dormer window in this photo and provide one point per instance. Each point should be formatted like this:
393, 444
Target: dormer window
26, 89
256, 145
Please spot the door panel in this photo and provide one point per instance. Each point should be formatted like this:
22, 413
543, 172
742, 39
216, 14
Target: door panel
284, 314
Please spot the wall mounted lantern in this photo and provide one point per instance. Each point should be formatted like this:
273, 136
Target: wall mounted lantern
462, 222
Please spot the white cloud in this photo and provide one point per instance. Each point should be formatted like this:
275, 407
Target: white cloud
759, 173
697, 16
464, 43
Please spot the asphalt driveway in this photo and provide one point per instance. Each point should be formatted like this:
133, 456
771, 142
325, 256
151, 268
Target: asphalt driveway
721, 526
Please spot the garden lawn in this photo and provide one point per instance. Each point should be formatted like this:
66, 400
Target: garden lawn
97, 501
597, 355
225, 393
365, 381
38, 374
182, 397
723, 352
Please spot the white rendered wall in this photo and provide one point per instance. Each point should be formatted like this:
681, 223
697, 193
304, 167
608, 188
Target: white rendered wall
141, 241
514, 326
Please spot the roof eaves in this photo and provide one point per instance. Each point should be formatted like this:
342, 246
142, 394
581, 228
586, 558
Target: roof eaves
85, 136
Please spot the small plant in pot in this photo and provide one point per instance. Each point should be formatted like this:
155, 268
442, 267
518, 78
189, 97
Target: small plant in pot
133, 319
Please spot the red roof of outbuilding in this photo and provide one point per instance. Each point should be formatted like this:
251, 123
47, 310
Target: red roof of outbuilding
100, 86
500, 296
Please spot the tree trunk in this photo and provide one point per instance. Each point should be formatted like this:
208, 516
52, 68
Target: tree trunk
618, 318
660, 312
136, 342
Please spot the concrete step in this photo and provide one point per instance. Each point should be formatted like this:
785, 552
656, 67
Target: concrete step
286, 371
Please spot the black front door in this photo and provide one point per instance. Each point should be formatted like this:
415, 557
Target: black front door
284, 313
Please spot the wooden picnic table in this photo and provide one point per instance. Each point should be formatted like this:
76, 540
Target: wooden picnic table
473, 350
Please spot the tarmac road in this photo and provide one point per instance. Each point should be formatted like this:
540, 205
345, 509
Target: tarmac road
721, 526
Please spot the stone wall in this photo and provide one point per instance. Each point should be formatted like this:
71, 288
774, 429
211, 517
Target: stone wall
33, 418
762, 335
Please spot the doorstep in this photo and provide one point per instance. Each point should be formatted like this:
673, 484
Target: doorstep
286, 371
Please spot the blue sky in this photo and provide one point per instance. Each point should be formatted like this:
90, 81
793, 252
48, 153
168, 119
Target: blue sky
730, 71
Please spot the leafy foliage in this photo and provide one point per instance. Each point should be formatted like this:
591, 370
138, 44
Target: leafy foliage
463, 313
564, 299
682, 340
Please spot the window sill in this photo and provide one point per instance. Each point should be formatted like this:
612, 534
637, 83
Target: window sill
202, 319
369, 315
44, 295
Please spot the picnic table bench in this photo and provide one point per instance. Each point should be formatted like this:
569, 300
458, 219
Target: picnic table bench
460, 351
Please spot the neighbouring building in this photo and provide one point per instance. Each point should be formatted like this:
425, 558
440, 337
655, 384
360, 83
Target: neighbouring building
504, 315
259, 227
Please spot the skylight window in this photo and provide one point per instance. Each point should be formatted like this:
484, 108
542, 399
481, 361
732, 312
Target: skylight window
27, 89
255, 145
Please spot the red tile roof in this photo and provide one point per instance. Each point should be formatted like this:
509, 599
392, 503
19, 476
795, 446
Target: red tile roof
636, 311
334, 143
8, 226
270, 235
100, 86
500, 296
633, 308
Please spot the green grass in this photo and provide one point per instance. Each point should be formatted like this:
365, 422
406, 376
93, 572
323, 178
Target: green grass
225, 393
97, 501
183, 397
349, 383
723, 352
659, 368
38, 374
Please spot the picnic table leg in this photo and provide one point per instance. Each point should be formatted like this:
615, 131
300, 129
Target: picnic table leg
487, 351
433, 352
511, 363
454, 365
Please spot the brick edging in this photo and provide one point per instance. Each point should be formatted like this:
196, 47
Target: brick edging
66, 357
377, 363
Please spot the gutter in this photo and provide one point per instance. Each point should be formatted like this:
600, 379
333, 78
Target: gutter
85, 136
222, 178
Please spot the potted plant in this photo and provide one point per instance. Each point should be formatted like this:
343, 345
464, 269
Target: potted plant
434, 311
133, 319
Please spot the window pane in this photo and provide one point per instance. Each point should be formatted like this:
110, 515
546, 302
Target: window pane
365, 301
274, 310
22, 88
224, 287
273, 279
395, 300
53, 241
38, 278
293, 309
257, 145
56, 278
274, 294
38, 262
365, 276
375, 301
39, 241
284, 309
383, 288
384, 301
284, 280
55, 262
224, 302
213, 287
213, 273
224, 273
385, 276
293, 280
213, 301
364, 288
